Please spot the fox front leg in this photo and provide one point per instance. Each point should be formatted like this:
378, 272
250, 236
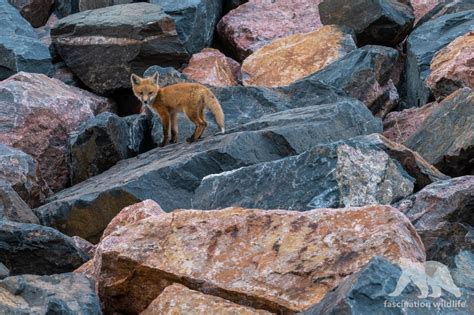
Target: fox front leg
165, 122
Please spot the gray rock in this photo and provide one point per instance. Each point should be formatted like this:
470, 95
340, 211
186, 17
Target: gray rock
376, 22
423, 44
4, 272
347, 173
445, 139
37, 249
20, 48
463, 270
34, 11
65, 294
12, 207
447, 7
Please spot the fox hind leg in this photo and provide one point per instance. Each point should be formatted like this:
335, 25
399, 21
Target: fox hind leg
201, 125
174, 127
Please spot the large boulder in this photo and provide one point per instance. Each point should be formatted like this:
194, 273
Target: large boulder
422, 7
280, 261
21, 171
36, 249
34, 11
375, 22
423, 43
258, 22
442, 216
38, 113
446, 139
20, 48
171, 175
68, 293
296, 56
443, 7
12, 207
104, 46
452, 67
212, 67
178, 299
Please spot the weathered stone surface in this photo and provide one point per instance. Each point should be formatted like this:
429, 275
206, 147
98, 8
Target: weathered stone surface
37, 115
21, 171
34, 11
463, 270
290, 58
84, 245
369, 292
103, 141
423, 43
171, 175
444, 7
12, 207
258, 22
421, 7
20, 48
68, 293
44, 34
274, 260
232, 4
400, 126
452, 67
85, 5
442, 215
4, 272
104, 46
379, 22
36, 249
177, 299
446, 139
356, 172
212, 67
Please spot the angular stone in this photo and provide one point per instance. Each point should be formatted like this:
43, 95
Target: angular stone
21, 171
294, 57
446, 139
34, 11
423, 43
463, 270
68, 293
258, 22
4, 272
379, 22
20, 48
171, 175
444, 7
38, 113
212, 67
232, 4
177, 299
12, 207
36, 249
280, 261
84, 245
452, 67
421, 7
442, 215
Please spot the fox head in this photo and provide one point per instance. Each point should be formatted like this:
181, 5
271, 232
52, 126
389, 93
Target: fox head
145, 89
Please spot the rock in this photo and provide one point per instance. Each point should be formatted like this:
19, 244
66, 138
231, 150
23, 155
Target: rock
104, 140
177, 299
445, 139
441, 215
232, 4
171, 175
12, 207
356, 172
400, 126
21, 171
84, 245
290, 58
421, 7
212, 67
68, 293
258, 22
34, 11
104, 46
20, 48
366, 74
4, 272
36, 249
463, 272
251, 257
444, 7
85, 5
38, 113
44, 34
370, 292
65, 75
379, 22
423, 43
452, 67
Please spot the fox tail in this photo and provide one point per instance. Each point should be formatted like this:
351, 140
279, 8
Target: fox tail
216, 109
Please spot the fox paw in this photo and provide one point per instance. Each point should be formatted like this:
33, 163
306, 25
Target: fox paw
162, 144
190, 140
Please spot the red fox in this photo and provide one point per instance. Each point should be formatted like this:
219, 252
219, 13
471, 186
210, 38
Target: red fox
167, 102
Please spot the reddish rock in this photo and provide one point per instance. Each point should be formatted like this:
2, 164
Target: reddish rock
212, 67
275, 260
38, 113
84, 245
399, 126
294, 57
421, 7
258, 22
452, 67
34, 11
177, 299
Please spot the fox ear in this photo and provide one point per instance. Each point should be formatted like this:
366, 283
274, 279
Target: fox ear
136, 80
155, 77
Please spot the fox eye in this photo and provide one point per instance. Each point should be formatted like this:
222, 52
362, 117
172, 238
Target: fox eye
150, 93
141, 93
